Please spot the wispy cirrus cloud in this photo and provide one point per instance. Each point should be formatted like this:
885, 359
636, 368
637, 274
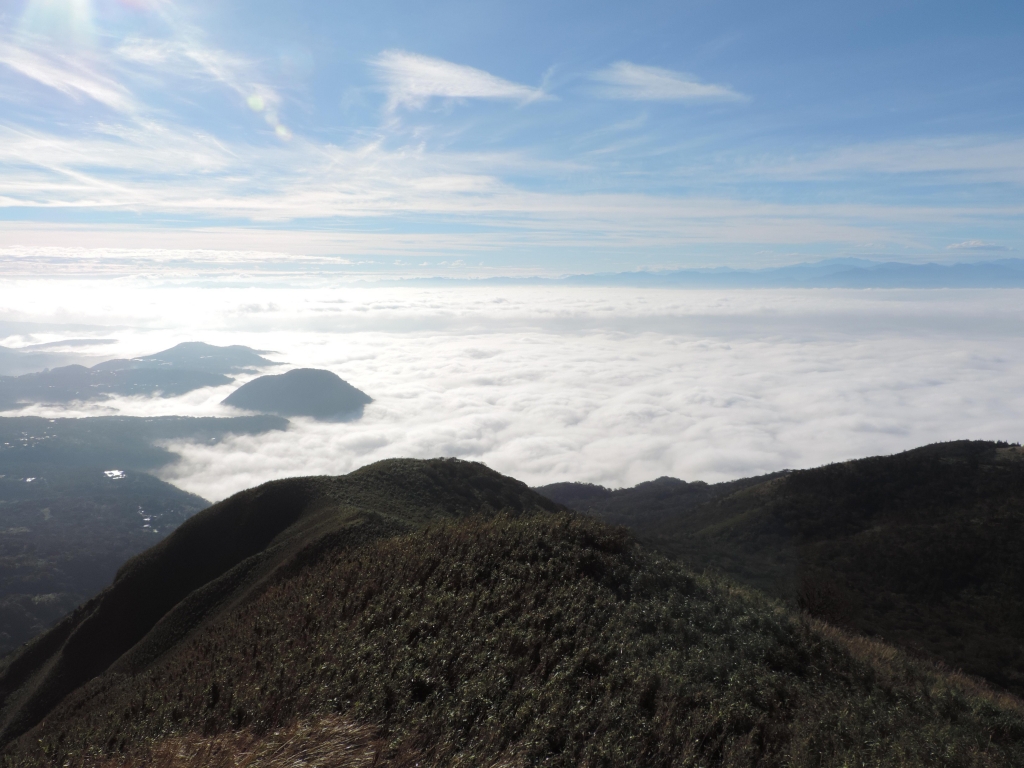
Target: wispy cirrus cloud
189, 58
636, 82
975, 245
184, 56
305, 197
978, 157
72, 78
412, 79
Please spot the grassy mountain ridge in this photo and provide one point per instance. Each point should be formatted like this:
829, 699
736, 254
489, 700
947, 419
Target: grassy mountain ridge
219, 556
436, 613
924, 548
645, 504
536, 639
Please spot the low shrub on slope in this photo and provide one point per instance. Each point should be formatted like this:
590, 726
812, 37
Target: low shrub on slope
544, 639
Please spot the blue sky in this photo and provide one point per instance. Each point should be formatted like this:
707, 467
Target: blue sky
526, 137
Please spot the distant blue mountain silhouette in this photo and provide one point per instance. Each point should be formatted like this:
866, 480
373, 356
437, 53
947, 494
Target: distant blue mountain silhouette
175, 371
310, 392
194, 356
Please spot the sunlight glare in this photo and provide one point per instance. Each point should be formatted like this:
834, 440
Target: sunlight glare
69, 19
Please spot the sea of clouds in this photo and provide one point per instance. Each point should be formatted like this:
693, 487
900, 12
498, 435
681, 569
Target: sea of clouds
612, 386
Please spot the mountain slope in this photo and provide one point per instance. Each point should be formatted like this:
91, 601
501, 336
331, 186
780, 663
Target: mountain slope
221, 555
924, 548
535, 639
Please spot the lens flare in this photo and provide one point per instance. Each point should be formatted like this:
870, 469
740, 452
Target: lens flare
65, 19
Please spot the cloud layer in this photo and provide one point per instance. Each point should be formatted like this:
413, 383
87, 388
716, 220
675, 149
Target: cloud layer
609, 386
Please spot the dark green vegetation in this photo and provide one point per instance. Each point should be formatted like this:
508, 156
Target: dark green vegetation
220, 555
457, 617
647, 505
173, 372
924, 549
310, 392
64, 534
31, 445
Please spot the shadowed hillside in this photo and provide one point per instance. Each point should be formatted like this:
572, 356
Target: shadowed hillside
436, 613
924, 548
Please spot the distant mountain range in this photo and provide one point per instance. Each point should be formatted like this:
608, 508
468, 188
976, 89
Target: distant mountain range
175, 371
15, 361
831, 273
310, 392
195, 356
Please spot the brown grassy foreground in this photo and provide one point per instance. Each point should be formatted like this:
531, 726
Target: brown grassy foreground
546, 640
330, 742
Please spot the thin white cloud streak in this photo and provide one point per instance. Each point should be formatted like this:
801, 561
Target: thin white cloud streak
126, 169
976, 158
975, 245
151, 167
412, 79
147, 166
635, 82
141, 62
186, 57
610, 386
70, 78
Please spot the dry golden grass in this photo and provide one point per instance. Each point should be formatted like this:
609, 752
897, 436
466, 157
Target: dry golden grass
327, 742
891, 662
